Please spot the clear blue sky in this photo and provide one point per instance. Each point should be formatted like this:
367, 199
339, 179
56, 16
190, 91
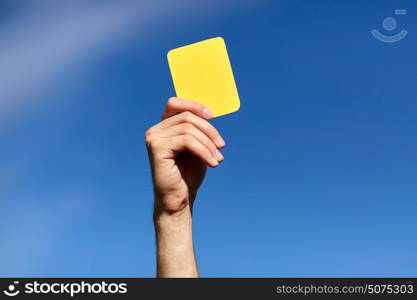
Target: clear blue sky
320, 170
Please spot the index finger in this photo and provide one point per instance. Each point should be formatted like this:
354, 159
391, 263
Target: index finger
178, 105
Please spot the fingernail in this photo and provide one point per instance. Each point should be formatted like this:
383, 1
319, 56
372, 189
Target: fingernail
219, 141
207, 113
219, 156
214, 161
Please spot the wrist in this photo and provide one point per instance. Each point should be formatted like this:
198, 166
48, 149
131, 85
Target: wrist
176, 208
163, 217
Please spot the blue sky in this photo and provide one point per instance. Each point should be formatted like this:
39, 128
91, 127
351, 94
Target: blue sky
320, 170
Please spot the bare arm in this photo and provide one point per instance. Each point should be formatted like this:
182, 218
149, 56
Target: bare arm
175, 252
180, 147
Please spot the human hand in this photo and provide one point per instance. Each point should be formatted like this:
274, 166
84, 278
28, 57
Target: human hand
180, 147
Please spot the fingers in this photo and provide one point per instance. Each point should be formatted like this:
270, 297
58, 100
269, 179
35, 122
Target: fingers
189, 143
178, 105
189, 129
184, 127
199, 123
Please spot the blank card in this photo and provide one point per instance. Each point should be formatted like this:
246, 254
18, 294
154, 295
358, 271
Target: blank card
202, 72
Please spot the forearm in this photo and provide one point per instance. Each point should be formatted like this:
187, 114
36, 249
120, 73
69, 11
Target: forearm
180, 148
174, 242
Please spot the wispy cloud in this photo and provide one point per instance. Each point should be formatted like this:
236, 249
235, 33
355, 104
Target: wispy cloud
40, 39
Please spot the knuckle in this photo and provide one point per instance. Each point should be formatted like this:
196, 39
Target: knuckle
172, 102
186, 128
213, 131
212, 147
148, 136
154, 144
209, 129
188, 139
196, 105
200, 107
186, 116
149, 141
149, 132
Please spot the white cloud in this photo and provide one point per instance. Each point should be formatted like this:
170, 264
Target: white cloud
43, 38
39, 41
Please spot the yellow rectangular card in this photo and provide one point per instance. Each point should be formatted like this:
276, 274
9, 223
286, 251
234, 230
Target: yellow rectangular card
202, 72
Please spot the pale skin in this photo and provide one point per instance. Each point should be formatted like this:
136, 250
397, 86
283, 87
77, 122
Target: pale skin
180, 148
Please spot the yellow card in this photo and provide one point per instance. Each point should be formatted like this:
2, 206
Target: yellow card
202, 72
